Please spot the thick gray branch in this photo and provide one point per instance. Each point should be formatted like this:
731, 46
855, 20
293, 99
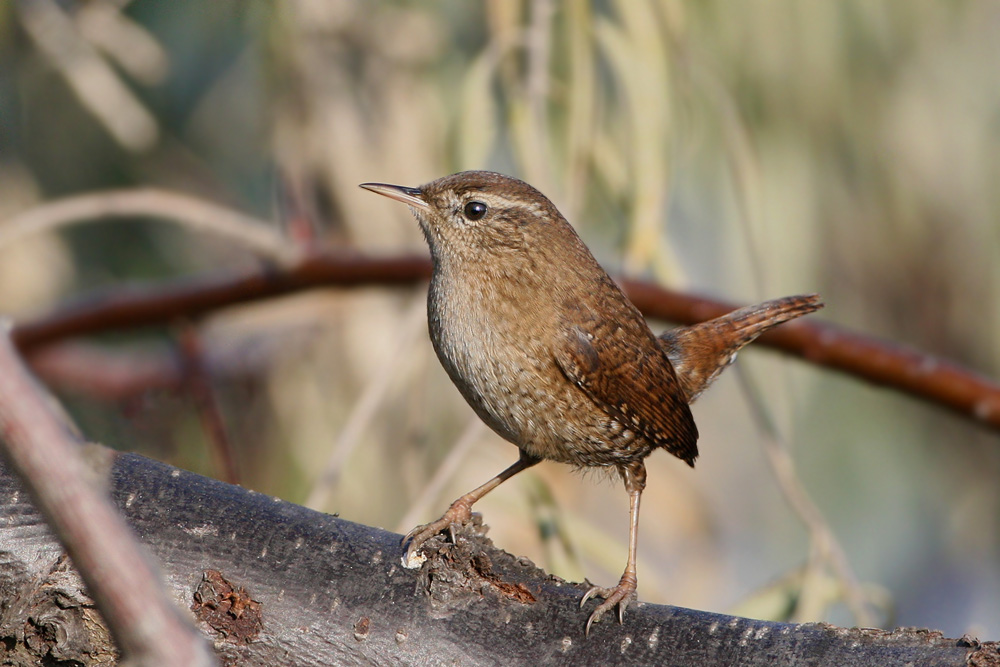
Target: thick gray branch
318, 590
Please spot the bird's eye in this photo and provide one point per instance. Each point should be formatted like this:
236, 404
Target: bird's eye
475, 210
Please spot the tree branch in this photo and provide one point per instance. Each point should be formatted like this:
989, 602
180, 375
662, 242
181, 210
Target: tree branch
881, 362
281, 584
253, 234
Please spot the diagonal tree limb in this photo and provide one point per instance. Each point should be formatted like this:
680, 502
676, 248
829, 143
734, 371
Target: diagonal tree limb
41, 447
881, 362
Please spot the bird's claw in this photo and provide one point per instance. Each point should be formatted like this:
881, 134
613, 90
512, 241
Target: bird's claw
621, 595
457, 516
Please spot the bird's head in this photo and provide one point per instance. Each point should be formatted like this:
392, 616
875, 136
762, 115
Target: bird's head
474, 215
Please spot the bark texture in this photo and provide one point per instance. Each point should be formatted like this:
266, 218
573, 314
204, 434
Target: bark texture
273, 583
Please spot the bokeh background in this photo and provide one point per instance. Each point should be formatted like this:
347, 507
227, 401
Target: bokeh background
744, 150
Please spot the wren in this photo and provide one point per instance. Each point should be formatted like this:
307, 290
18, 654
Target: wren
549, 351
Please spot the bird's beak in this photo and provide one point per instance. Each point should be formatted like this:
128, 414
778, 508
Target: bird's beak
410, 196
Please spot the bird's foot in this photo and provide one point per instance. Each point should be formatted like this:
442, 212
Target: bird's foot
459, 514
621, 595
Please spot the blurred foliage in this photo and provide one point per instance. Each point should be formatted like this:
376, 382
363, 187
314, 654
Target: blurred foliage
747, 149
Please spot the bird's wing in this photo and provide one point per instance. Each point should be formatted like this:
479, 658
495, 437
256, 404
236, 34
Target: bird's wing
632, 381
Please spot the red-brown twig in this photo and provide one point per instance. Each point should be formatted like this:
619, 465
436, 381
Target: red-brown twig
878, 361
104, 373
131, 308
144, 622
881, 362
199, 383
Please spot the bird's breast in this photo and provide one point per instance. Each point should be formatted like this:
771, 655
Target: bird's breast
497, 353
492, 353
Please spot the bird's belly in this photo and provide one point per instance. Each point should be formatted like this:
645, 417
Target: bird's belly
514, 394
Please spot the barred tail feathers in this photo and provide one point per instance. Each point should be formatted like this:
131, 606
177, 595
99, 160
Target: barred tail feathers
702, 351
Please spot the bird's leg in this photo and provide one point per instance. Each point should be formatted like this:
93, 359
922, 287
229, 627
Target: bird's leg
461, 510
634, 476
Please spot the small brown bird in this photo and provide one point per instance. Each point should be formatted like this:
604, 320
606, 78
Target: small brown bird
550, 353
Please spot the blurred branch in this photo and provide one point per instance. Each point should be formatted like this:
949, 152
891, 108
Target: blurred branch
109, 375
147, 627
254, 234
881, 362
95, 83
199, 382
133, 307
133, 48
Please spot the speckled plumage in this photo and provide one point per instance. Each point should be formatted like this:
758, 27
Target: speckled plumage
512, 321
550, 353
